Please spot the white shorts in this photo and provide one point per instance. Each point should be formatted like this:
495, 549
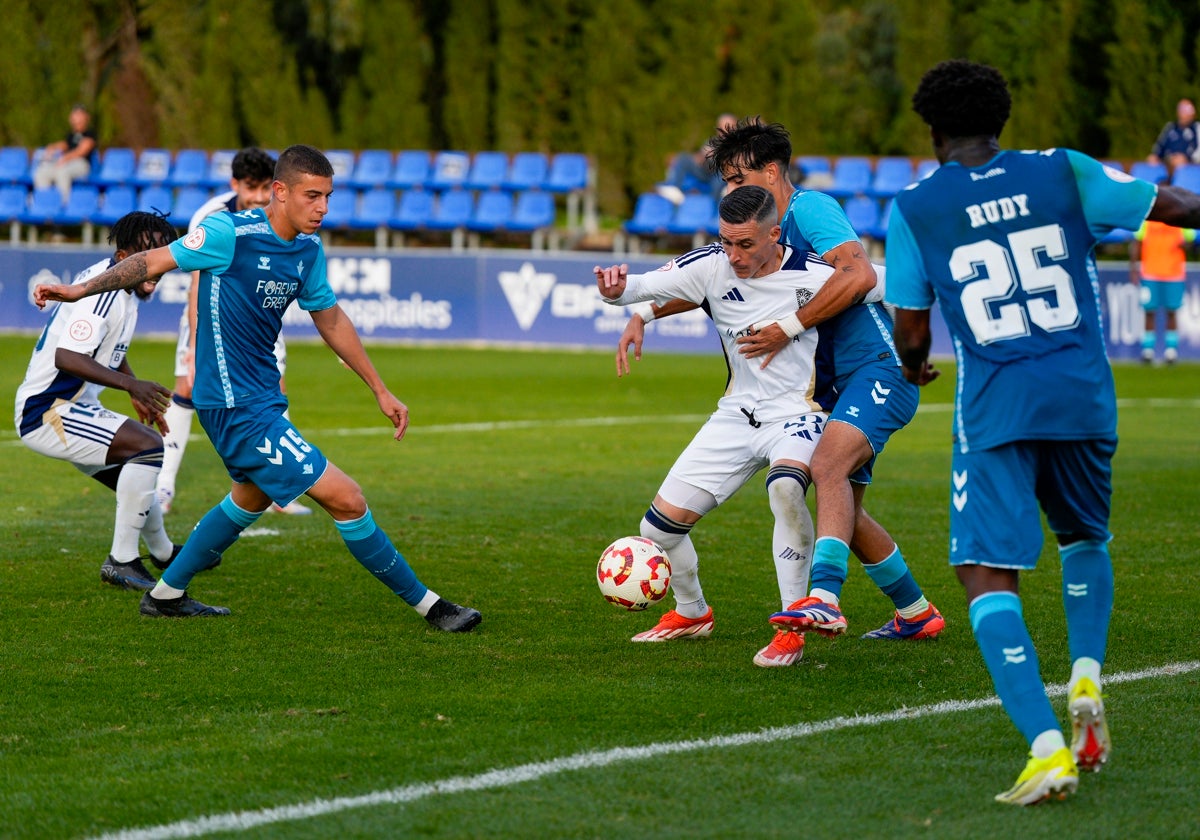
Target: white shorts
728, 451
181, 349
80, 433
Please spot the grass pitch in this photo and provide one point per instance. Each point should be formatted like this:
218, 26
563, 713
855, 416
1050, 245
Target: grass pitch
325, 707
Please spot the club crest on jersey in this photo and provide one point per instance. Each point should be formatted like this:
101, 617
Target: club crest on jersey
803, 296
80, 330
194, 240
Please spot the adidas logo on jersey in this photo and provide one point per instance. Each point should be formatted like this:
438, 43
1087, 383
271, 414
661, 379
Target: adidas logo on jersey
733, 294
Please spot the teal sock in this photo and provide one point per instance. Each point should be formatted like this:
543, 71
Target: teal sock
216, 532
894, 579
372, 548
830, 565
1007, 649
1087, 581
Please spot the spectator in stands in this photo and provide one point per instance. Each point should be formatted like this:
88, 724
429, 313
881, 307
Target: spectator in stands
1179, 142
1158, 264
70, 159
689, 171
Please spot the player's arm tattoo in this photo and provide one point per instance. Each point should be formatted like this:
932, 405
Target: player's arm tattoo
124, 275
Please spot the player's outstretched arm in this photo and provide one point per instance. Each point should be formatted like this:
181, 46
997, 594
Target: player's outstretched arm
126, 274
635, 331
852, 280
338, 332
611, 281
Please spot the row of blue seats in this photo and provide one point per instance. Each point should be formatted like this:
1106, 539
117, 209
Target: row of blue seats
560, 173
349, 209
868, 209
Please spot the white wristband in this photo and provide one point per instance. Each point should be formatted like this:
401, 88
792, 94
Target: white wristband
790, 325
645, 310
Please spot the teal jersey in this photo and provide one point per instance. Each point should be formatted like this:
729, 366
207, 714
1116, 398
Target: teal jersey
860, 335
248, 278
1006, 250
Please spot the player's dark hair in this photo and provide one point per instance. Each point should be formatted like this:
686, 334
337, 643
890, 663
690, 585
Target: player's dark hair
746, 204
960, 98
135, 232
750, 145
299, 160
252, 164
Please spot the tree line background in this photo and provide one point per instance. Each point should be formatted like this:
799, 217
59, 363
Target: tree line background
627, 81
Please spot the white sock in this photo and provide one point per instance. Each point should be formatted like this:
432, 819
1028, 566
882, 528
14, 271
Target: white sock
135, 496
685, 569
155, 535
825, 595
175, 441
1047, 744
793, 536
164, 592
1085, 666
426, 604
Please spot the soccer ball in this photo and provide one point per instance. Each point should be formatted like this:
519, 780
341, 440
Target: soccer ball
633, 573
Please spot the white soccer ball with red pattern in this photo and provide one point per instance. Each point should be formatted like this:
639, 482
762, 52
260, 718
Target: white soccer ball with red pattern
634, 573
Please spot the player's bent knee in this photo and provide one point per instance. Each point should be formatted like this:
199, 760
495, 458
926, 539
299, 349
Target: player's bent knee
787, 485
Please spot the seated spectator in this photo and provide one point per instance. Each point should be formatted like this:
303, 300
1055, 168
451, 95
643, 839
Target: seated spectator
689, 171
70, 159
1179, 142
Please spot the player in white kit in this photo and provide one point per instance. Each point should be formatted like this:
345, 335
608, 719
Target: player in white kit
769, 416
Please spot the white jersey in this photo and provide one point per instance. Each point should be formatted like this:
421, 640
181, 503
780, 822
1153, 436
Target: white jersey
786, 387
100, 326
223, 201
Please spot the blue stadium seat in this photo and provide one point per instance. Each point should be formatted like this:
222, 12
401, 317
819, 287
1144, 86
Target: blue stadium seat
1152, 172
220, 165
453, 210
153, 167
1188, 177
190, 169
814, 165
534, 210
863, 213
343, 204
527, 171
118, 200
411, 170
892, 174
450, 169
651, 215
155, 199
568, 172
187, 201
488, 171
343, 166
14, 165
493, 212
117, 166
924, 167
376, 207
373, 169
44, 206
851, 176
13, 199
83, 205
693, 215
413, 210
885, 217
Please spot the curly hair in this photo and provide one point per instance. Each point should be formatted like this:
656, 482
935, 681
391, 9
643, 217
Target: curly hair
135, 232
961, 98
252, 164
750, 145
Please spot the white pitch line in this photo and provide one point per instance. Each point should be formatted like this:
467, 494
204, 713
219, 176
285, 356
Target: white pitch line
509, 776
10, 438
